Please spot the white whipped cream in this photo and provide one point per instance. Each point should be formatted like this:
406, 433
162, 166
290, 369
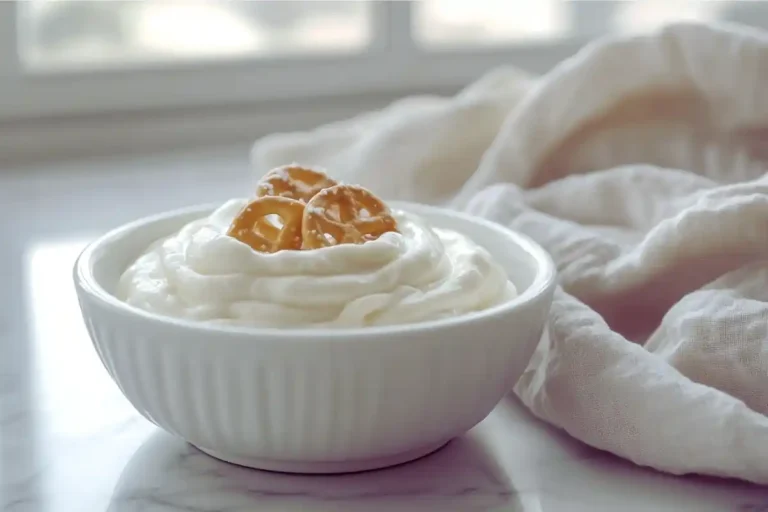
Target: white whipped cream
421, 273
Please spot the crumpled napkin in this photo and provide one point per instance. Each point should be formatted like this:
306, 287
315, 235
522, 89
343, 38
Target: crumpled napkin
640, 165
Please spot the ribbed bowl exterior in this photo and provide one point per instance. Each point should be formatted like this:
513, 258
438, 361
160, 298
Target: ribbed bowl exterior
322, 400
328, 400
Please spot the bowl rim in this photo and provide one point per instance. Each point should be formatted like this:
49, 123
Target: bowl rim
86, 283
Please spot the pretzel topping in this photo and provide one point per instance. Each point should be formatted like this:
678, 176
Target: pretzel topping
294, 182
252, 227
345, 214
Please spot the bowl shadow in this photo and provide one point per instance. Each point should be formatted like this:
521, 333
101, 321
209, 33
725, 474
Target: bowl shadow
168, 472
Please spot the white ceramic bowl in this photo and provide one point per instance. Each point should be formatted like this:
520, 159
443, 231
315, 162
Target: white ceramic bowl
318, 401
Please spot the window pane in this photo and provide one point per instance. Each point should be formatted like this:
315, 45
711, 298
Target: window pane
458, 23
56, 33
472, 23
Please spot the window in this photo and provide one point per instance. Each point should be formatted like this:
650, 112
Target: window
75, 56
74, 33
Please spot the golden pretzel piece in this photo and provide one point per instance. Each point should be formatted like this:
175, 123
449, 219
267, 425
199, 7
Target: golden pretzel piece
252, 227
345, 214
293, 181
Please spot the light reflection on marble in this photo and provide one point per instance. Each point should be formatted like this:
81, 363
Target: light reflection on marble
70, 442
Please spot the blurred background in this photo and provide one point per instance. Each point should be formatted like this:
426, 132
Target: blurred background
61, 34
82, 77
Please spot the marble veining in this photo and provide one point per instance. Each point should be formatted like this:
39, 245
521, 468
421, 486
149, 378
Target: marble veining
70, 442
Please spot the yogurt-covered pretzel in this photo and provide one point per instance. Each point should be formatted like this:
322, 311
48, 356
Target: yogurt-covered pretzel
345, 214
252, 227
293, 181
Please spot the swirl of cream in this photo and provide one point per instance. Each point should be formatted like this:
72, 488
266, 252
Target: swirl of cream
418, 274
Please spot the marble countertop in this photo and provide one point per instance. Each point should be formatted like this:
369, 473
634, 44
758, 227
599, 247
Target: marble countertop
70, 442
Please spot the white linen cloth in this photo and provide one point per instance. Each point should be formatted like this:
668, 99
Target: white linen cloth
640, 165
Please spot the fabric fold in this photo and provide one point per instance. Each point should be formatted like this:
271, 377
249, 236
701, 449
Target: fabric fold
640, 165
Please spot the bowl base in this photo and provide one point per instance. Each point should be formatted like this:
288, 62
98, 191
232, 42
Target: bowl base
329, 467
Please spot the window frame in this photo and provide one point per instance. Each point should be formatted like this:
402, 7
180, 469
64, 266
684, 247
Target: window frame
392, 64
